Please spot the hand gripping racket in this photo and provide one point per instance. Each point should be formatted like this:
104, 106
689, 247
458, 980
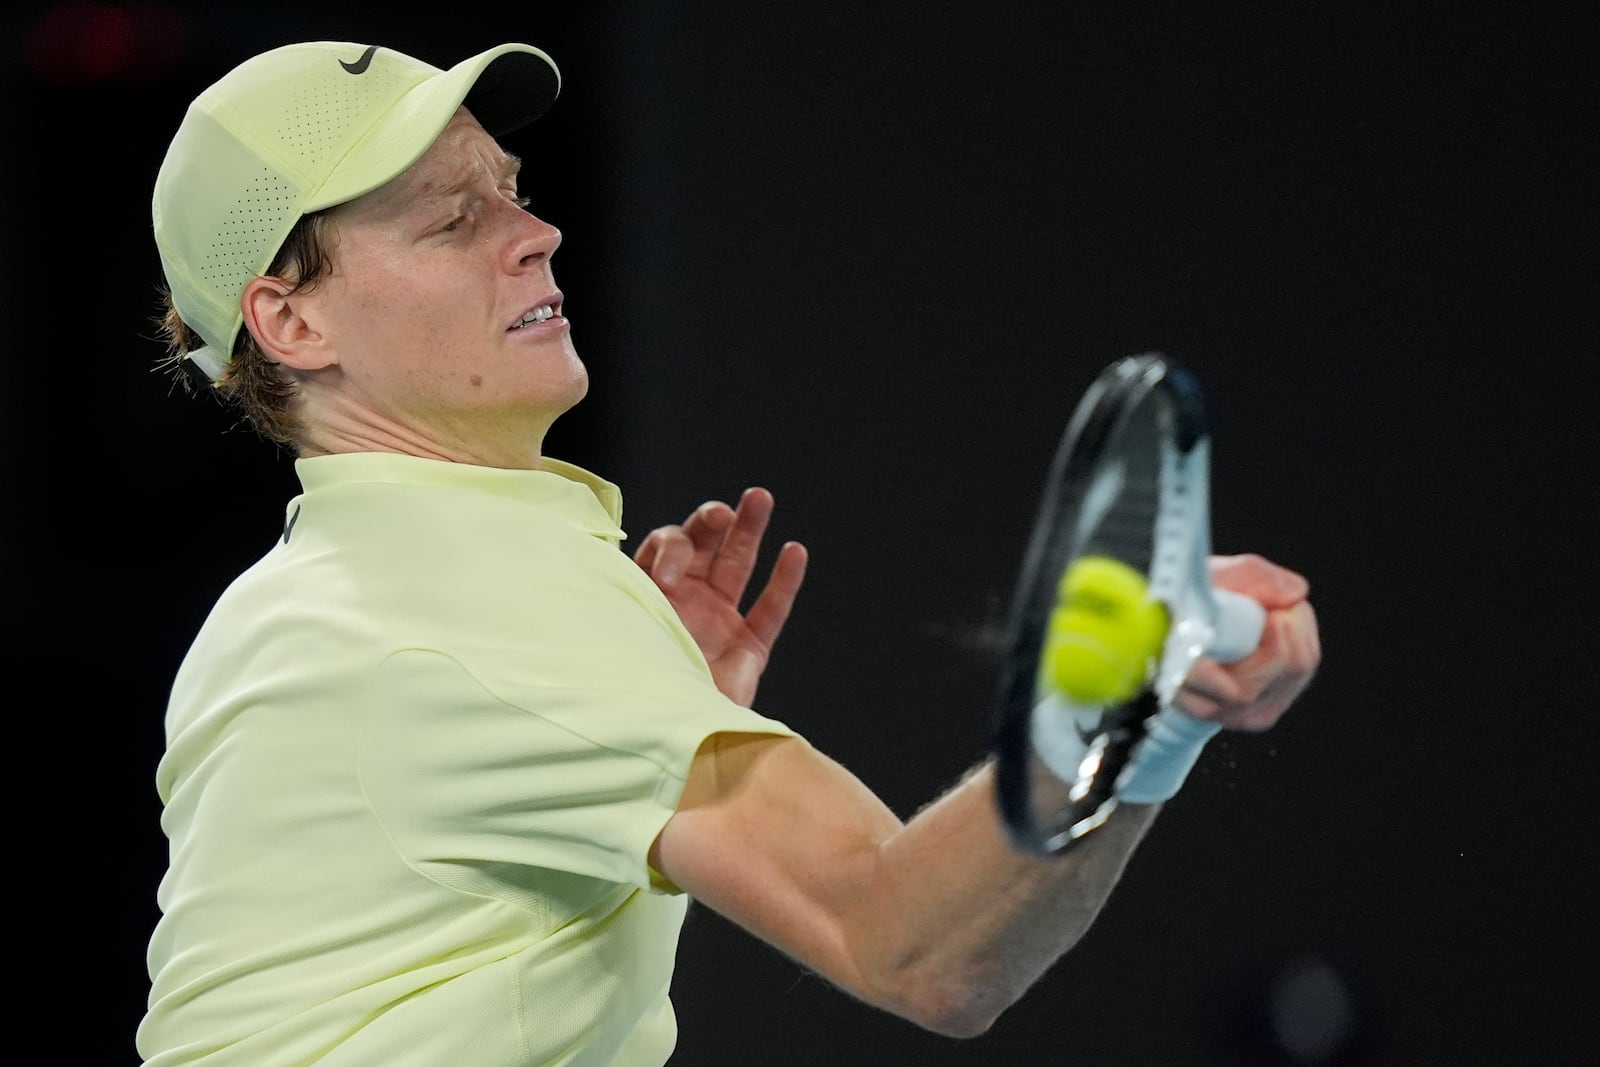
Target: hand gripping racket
1113, 605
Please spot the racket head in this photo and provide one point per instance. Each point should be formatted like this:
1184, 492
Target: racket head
1127, 481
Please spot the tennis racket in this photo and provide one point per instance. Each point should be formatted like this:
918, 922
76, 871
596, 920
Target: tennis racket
1129, 491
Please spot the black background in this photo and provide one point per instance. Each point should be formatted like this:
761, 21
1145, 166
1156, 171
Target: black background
868, 256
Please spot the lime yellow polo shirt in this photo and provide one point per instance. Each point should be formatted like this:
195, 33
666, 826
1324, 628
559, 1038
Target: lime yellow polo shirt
416, 757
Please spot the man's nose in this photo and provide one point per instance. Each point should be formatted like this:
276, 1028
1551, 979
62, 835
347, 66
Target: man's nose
536, 242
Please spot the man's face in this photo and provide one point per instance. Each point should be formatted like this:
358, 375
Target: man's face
435, 278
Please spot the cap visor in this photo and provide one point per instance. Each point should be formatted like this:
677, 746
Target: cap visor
505, 88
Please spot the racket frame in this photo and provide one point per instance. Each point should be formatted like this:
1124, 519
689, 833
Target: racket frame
1181, 545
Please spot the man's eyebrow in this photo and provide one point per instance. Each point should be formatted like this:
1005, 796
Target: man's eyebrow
509, 167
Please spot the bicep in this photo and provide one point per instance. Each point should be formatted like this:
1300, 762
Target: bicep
783, 841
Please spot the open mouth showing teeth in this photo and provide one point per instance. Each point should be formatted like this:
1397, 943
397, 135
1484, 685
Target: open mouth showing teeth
538, 314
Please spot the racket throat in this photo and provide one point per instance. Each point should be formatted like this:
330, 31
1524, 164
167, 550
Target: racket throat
1085, 749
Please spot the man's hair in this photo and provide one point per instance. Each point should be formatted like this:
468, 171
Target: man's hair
257, 386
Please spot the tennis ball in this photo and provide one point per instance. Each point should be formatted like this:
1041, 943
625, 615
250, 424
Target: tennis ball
1104, 632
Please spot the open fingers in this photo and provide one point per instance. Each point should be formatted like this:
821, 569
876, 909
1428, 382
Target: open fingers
738, 542
721, 544
768, 614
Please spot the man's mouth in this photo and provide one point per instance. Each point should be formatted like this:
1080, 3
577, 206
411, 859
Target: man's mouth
539, 314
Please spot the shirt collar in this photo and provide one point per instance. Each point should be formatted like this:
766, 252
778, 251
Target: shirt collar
588, 501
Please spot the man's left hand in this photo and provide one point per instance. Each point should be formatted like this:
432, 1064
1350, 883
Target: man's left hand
704, 566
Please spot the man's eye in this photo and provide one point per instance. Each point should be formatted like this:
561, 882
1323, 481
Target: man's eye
450, 227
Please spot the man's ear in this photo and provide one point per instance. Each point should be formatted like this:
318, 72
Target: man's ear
275, 314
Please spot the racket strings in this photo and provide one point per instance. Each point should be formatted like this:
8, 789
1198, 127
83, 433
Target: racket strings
1128, 526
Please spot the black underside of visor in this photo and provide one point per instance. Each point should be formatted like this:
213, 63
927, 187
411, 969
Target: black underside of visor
513, 90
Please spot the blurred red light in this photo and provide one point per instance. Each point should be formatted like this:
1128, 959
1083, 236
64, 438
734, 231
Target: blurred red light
83, 42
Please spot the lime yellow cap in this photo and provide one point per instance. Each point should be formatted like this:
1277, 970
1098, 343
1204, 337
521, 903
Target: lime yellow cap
301, 128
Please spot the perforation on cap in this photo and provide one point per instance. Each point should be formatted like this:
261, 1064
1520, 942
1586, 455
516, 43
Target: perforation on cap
249, 227
318, 122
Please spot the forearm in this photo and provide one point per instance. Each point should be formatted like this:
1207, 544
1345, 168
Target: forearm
961, 923
940, 920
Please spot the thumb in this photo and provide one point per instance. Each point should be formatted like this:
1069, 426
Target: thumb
1260, 579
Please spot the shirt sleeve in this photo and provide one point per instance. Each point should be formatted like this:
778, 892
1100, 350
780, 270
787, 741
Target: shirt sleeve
567, 778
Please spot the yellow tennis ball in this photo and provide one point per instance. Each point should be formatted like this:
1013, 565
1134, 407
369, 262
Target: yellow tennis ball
1104, 632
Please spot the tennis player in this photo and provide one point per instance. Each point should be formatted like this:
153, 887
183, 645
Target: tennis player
445, 765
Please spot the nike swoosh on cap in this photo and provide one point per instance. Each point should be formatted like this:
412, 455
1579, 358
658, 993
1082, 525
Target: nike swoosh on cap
360, 65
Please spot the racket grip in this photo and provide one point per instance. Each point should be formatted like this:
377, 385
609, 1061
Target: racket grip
1238, 626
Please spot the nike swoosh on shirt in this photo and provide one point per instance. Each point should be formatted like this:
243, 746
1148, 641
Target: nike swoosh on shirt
360, 65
